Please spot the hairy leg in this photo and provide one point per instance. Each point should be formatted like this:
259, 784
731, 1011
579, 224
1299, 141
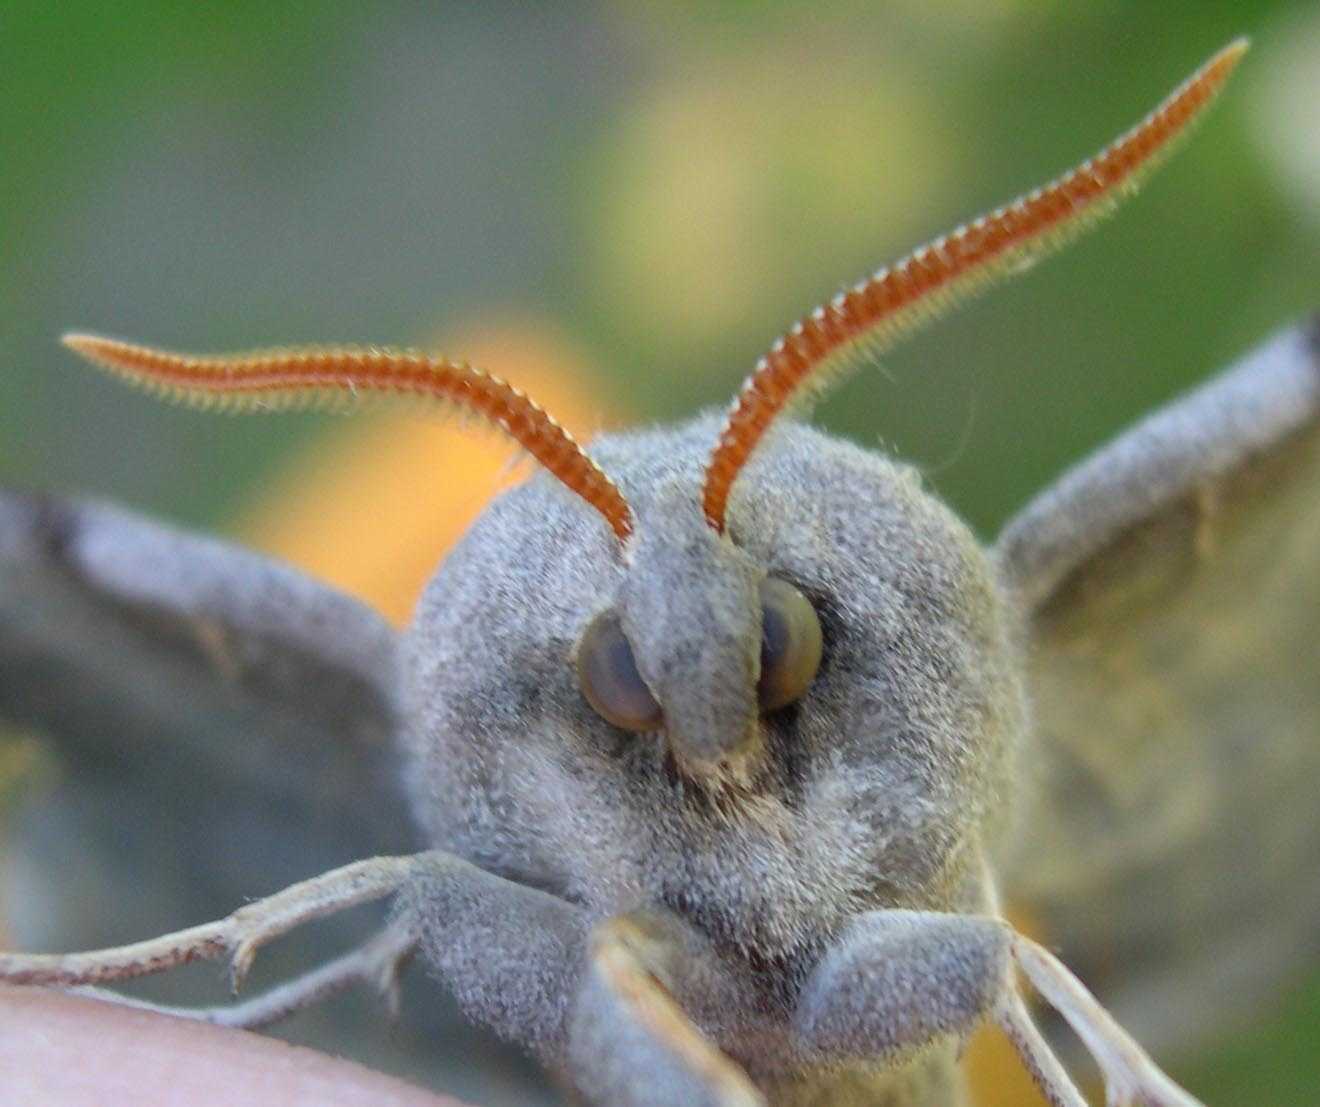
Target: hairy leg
897, 981
510, 953
237, 936
376, 963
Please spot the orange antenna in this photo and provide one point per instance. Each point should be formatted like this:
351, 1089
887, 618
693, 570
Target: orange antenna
336, 379
876, 313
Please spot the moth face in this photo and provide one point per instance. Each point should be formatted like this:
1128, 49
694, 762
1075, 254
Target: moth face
676, 775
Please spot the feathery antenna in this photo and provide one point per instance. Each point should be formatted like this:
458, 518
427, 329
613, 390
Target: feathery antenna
336, 379
876, 313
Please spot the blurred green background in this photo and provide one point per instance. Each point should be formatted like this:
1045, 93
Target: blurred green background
664, 186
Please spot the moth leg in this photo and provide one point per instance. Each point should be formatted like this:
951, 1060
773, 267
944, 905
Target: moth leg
631, 1042
510, 954
237, 936
376, 963
898, 981
1129, 1073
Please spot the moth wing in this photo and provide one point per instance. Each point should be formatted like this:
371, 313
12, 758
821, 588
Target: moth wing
186, 669
1171, 585
222, 726
212, 726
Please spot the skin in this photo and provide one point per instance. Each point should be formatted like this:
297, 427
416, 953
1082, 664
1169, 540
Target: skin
67, 1051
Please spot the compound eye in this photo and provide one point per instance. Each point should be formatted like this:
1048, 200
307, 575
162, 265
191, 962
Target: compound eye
790, 644
610, 681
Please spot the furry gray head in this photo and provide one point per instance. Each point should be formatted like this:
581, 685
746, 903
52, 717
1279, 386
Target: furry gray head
866, 790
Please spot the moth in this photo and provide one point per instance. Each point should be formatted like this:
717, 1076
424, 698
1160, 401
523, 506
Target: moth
724, 742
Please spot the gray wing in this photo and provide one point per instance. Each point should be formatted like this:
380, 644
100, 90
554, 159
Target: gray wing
218, 726
238, 699
1172, 590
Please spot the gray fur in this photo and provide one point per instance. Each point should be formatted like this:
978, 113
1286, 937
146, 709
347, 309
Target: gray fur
690, 603
510, 954
898, 981
614, 1035
877, 790
870, 792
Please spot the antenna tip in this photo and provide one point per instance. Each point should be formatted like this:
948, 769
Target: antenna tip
1228, 57
90, 346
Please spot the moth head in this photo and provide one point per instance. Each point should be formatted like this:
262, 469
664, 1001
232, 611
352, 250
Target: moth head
869, 772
